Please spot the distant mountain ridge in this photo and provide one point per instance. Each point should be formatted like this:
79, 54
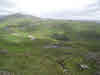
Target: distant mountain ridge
18, 16
26, 16
2, 17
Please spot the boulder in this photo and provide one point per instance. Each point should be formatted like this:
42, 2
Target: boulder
83, 67
3, 52
31, 37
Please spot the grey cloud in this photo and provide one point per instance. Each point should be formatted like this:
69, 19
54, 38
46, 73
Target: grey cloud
6, 3
94, 7
92, 11
6, 6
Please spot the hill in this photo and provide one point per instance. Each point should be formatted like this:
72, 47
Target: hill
33, 45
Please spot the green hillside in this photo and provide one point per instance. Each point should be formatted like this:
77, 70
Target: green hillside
36, 46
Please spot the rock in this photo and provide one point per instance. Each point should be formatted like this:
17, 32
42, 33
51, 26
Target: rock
58, 36
65, 70
91, 56
67, 47
46, 46
57, 46
97, 73
52, 46
15, 34
3, 51
83, 67
31, 37
68, 53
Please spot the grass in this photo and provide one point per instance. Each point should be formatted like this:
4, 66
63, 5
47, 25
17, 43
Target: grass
32, 58
25, 55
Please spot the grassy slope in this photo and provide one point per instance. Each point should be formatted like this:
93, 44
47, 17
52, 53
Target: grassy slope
25, 55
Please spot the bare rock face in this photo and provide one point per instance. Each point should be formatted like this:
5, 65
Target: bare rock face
2, 52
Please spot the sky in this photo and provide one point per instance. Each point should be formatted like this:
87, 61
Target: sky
58, 9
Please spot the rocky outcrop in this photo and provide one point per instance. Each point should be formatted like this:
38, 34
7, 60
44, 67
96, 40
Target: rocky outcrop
3, 52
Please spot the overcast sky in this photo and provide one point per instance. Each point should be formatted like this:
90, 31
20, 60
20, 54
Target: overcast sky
60, 9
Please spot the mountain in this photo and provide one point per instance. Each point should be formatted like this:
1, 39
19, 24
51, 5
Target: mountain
19, 16
56, 42
18, 22
2, 17
17, 19
29, 23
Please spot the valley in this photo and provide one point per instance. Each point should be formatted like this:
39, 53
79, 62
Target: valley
34, 46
